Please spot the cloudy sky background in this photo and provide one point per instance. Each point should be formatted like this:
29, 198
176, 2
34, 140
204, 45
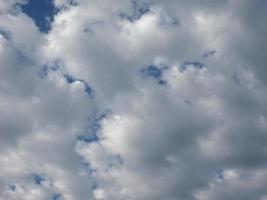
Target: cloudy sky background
133, 100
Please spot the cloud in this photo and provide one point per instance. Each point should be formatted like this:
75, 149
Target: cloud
134, 100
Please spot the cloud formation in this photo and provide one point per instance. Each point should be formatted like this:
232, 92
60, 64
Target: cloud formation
135, 100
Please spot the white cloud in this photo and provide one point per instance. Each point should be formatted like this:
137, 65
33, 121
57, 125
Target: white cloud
76, 110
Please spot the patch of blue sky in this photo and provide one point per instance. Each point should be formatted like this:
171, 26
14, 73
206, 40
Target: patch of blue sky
87, 88
220, 175
38, 179
139, 9
72, 2
155, 72
94, 125
95, 122
89, 138
87, 167
162, 82
12, 188
209, 53
195, 64
55, 66
70, 79
168, 21
44, 71
56, 196
42, 12
6, 34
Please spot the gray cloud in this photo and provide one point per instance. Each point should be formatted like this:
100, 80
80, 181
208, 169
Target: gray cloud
199, 136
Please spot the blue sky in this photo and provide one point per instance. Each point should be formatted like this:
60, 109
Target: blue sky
42, 12
138, 100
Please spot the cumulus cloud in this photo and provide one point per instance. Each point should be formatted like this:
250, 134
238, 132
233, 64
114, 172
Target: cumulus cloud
133, 100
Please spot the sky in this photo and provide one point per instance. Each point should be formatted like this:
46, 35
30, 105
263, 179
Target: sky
133, 100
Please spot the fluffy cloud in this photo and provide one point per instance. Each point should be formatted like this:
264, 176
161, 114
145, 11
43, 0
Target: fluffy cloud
134, 100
